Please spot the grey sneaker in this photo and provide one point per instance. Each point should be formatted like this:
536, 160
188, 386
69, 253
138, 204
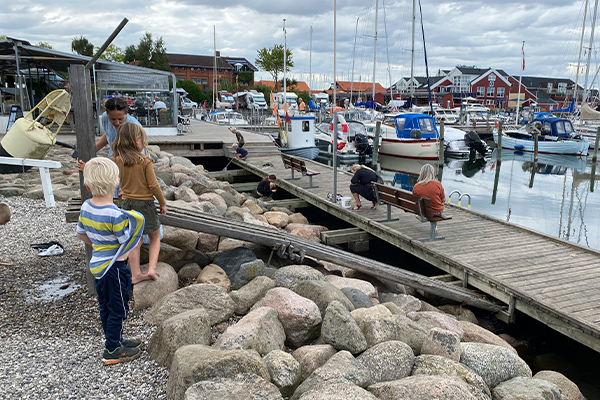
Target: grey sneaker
120, 355
131, 342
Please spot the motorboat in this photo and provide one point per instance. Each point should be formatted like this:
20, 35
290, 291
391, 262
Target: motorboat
352, 137
226, 117
555, 136
297, 136
460, 144
414, 136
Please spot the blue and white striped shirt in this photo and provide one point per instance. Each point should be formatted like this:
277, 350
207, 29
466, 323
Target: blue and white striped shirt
113, 232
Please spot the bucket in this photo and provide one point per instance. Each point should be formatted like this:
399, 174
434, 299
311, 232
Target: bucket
345, 202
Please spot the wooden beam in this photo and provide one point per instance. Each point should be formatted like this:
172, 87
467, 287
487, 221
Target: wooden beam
229, 174
245, 186
348, 235
288, 203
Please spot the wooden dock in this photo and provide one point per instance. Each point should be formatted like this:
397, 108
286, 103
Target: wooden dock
549, 279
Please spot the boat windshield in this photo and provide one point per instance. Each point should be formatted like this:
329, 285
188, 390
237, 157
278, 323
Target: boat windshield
426, 125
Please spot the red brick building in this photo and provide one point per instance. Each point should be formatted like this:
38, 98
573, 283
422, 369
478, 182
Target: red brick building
492, 89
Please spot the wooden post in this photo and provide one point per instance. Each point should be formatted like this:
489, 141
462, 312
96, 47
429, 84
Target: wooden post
376, 140
81, 92
441, 145
499, 146
533, 171
594, 159
496, 178
536, 138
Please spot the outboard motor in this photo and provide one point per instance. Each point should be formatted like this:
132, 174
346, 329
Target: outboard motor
474, 143
361, 143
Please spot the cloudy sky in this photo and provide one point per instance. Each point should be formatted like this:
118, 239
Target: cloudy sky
483, 33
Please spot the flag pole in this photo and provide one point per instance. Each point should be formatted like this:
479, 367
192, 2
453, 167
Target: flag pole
520, 77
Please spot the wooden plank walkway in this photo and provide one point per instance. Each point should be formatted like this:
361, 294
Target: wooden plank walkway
549, 279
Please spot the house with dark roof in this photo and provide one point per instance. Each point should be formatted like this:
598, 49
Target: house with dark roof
206, 70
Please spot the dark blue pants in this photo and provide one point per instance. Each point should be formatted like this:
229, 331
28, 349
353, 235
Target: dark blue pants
113, 291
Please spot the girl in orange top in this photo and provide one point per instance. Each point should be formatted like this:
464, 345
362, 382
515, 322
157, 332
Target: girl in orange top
139, 187
430, 188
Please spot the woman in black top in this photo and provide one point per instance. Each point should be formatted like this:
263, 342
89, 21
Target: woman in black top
267, 187
360, 184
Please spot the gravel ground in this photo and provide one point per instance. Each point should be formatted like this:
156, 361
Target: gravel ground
51, 340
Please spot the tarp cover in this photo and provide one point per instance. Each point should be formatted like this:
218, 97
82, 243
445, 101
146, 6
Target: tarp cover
588, 113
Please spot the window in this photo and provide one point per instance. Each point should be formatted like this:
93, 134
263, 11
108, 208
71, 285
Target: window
305, 126
400, 123
489, 102
480, 91
491, 77
500, 92
490, 92
550, 86
562, 88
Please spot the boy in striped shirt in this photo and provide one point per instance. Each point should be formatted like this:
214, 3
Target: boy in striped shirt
112, 233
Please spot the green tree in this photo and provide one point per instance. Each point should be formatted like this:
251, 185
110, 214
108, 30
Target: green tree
245, 77
82, 46
45, 45
194, 92
112, 53
303, 95
271, 60
149, 53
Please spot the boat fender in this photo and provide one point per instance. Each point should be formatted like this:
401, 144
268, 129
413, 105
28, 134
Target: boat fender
283, 138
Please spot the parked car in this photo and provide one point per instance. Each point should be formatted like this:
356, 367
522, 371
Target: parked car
187, 103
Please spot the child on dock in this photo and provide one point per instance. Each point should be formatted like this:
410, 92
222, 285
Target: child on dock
240, 153
139, 187
112, 233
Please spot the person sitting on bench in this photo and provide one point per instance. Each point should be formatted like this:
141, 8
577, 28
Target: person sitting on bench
360, 184
427, 186
266, 187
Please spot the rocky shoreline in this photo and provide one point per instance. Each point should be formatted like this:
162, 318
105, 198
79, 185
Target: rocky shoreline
222, 323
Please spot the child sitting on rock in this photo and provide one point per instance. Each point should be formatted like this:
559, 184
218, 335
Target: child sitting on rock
112, 233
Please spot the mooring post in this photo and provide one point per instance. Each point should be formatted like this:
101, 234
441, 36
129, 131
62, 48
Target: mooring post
81, 92
376, 140
499, 146
536, 137
594, 160
441, 146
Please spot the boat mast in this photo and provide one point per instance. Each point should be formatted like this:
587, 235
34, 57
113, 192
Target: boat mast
580, 48
375, 51
215, 69
310, 62
387, 52
520, 78
587, 68
353, 57
411, 87
284, 64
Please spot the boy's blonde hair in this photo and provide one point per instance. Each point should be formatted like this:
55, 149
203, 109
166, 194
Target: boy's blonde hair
101, 176
125, 144
4, 213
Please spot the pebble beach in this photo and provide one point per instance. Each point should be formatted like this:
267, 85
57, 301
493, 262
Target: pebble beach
51, 340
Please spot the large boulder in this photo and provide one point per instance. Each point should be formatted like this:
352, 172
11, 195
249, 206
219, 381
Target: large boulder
289, 276
247, 272
184, 193
207, 242
312, 357
493, 363
336, 389
427, 364
441, 342
362, 315
299, 316
432, 319
184, 239
422, 387
297, 218
394, 327
215, 200
259, 330
190, 327
357, 298
364, 286
196, 363
242, 386
246, 296
231, 260
406, 302
526, 389
189, 271
147, 293
313, 230
217, 304
570, 391
388, 361
341, 365
174, 160
475, 333
177, 259
214, 275
461, 313
254, 208
341, 331
322, 293
284, 371
277, 219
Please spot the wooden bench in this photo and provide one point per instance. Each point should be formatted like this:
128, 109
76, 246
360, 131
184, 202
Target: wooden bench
298, 165
44, 167
409, 202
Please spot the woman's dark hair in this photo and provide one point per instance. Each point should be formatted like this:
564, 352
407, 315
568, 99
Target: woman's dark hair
272, 177
116, 103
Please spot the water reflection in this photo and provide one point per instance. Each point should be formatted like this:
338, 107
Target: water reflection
552, 196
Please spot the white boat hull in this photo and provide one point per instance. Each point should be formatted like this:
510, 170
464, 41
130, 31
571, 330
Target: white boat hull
423, 149
566, 147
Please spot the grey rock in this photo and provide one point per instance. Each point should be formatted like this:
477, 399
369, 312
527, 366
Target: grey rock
147, 293
189, 271
433, 319
247, 272
284, 371
312, 357
289, 276
362, 315
165, 176
12, 191
190, 327
281, 209
242, 386
394, 327
493, 363
231, 260
246, 296
183, 161
177, 259
388, 361
322, 293
406, 302
357, 298
569, 389
217, 303
340, 365
341, 331
209, 208
236, 213
184, 239
215, 200
441, 342
337, 389
427, 364
214, 275
230, 199
259, 330
462, 313
186, 194
196, 363
422, 387
521, 388
478, 334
